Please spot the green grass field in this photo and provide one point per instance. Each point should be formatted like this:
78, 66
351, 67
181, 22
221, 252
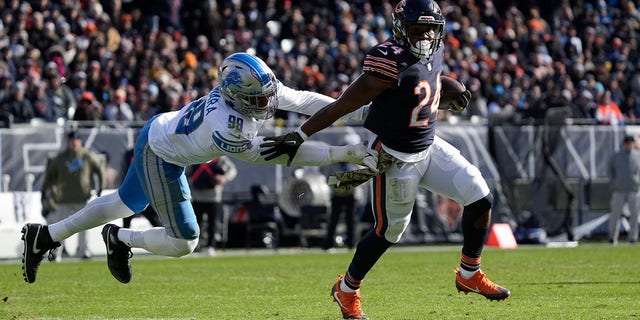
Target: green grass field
592, 281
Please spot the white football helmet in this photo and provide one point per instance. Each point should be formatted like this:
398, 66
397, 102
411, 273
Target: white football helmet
249, 86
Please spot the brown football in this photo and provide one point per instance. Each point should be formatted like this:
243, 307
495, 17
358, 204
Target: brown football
451, 89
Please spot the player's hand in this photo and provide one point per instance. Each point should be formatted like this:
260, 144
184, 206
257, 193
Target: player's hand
362, 155
284, 144
371, 160
461, 102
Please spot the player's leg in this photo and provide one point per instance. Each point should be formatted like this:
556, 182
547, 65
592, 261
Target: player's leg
393, 195
199, 208
633, 217
213, 210
617, 203
66, 210
166, 186
334, 216
452, 176
39, 239
61, 211
350, 217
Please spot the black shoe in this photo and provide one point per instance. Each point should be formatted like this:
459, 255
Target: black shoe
118, 254
37, 242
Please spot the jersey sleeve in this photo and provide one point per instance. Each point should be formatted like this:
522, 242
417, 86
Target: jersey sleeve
380, 62
300, 101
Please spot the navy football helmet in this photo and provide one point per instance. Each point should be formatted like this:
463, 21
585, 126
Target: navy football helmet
426, 12
249, 86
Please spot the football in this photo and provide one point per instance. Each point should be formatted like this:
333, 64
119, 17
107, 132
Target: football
450, 90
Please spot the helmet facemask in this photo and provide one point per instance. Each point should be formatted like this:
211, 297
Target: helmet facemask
424, 48
249, 86
262, 106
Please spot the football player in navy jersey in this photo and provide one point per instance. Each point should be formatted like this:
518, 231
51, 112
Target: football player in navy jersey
401, 80
223, 123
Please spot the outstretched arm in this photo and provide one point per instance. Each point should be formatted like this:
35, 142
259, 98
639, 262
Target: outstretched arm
317, 153
359, 93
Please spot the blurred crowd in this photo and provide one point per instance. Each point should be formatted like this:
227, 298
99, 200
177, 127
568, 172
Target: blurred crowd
122, 60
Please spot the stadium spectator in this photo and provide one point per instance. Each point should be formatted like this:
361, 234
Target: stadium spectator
58, 94
69, 180
18, 105
608, 112
624, 172
207, 183
488, 39
89, 109
118, 109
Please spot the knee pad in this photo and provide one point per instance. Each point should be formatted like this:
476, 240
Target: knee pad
182, 247
470, 184
156, 240
395, 229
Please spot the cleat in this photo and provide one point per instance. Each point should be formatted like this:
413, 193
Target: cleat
118, 254
37, 242
349, 302
480, 284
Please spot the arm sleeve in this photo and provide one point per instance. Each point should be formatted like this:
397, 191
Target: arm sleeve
305, 102
379, 62
311, 153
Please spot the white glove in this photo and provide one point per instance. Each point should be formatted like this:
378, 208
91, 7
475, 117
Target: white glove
362, 155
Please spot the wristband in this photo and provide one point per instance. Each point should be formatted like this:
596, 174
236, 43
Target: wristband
303, 135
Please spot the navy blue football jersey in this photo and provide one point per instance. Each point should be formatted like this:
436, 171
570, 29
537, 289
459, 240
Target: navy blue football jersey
404, 117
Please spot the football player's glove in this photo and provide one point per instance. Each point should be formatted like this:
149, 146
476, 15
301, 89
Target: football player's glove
283, 144
461, 102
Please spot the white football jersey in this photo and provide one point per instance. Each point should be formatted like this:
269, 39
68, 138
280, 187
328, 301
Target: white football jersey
208, 128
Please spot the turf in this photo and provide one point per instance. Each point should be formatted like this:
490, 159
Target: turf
592, 281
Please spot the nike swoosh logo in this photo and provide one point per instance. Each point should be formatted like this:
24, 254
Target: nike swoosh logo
335, 297
476, 290
383, 51
35, 248
109, 250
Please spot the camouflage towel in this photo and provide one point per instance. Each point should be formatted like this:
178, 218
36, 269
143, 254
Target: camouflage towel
346, 180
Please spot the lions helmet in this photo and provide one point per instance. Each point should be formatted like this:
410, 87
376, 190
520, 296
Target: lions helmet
409, 12
249, 86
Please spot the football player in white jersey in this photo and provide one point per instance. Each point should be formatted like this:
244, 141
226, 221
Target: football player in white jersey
223, 123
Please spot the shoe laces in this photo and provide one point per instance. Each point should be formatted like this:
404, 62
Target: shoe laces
124, 251
484, 283
120, 249
351, 301
52, 254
